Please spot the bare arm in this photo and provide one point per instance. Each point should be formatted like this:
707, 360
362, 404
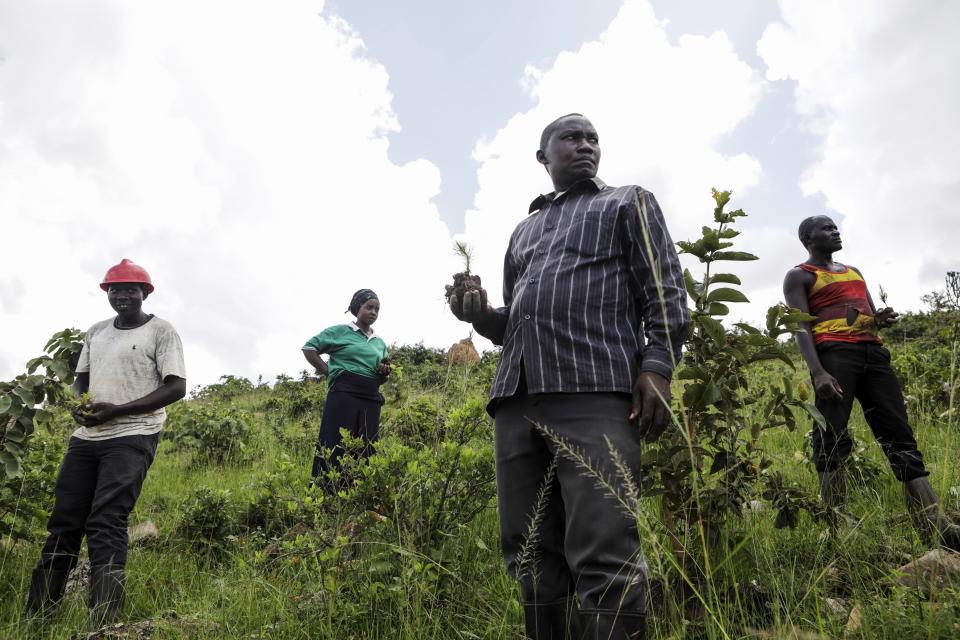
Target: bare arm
173, 388
795, 287
313, 357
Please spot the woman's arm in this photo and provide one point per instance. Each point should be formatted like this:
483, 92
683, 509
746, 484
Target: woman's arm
313, 357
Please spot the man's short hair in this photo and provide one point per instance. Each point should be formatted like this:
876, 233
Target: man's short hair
806, 227
550, 128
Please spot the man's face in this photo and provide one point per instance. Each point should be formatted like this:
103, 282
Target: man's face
572, 153
368, 312
825, 236
126, 298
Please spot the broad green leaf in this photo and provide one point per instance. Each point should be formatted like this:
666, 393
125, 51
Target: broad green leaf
14, 448
693, 287
773, 317
10, 464
16, 433
25, 395
718, 309
747, 328
60, 369
5, 402
691, 373
734, 255
815, 414
726, 294
795, 315
727, 278
772, 354
713, 328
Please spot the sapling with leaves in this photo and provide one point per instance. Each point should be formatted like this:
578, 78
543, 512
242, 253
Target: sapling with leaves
26, 401
711, 465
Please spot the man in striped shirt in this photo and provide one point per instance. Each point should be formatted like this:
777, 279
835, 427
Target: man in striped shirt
592, 325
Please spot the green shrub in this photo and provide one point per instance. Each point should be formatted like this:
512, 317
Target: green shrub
214, 434
208, 520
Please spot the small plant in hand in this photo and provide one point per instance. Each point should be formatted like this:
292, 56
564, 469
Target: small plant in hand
465, 281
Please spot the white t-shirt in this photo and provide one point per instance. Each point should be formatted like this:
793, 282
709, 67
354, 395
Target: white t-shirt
126, 365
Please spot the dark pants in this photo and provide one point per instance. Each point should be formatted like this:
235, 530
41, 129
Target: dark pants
863, 371
353, 403
97, 487
586, 544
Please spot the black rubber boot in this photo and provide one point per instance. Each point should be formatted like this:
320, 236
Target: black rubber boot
933, 527
601, 624
107, 587
46, 591
551, 620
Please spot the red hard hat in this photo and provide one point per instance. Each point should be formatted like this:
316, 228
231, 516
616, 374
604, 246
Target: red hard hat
127, 271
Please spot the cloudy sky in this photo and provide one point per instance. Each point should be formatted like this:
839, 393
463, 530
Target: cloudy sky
265, 159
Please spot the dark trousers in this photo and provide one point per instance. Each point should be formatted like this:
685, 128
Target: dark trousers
353, 403
97, 487
585, 544
863, 371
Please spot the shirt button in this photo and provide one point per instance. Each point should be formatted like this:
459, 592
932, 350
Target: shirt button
526, 317
533, 280
548, 227
541, 251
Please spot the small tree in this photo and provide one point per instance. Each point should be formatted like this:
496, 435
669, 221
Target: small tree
711, 465
20, 397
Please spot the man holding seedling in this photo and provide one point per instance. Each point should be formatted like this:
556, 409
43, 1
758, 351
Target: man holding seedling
132, 367
594, 319
847, 361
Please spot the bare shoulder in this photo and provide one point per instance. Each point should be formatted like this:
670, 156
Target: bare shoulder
797, 276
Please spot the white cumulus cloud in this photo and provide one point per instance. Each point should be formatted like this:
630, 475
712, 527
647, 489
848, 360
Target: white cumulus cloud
662, 111
237, 150
877, 81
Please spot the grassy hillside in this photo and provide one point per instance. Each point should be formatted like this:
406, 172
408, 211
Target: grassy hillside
247, 550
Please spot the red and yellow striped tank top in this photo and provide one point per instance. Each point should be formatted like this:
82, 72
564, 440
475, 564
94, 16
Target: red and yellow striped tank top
839, 300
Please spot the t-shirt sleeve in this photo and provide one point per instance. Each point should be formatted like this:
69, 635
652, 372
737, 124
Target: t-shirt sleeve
325, 341
170, 354
83, 364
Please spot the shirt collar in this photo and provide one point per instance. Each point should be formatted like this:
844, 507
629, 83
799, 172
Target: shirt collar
543, 199
373, 334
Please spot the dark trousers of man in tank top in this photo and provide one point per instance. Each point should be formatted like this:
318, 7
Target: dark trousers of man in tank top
864, 373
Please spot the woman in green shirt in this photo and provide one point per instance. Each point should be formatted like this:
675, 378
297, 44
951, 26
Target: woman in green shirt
358, 365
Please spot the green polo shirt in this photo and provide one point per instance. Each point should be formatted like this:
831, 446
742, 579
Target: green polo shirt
350, 350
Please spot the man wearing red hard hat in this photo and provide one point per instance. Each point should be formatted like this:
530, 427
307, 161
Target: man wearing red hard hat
132, 367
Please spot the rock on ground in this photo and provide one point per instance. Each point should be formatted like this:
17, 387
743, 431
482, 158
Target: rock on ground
931, 572
143, 533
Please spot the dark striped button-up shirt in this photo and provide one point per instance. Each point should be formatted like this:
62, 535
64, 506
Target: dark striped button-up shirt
593, 294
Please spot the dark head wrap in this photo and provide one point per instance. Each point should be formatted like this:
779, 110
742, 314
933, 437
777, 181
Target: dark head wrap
359, 298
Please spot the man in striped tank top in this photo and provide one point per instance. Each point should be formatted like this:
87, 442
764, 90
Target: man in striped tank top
847, 361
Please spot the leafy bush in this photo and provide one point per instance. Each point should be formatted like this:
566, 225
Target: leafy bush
418, 420
208, 520
26, 500
216, 435
427, 493
19, 398
228, 388
297, 398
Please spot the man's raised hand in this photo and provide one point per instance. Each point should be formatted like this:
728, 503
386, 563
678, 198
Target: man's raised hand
472, 308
